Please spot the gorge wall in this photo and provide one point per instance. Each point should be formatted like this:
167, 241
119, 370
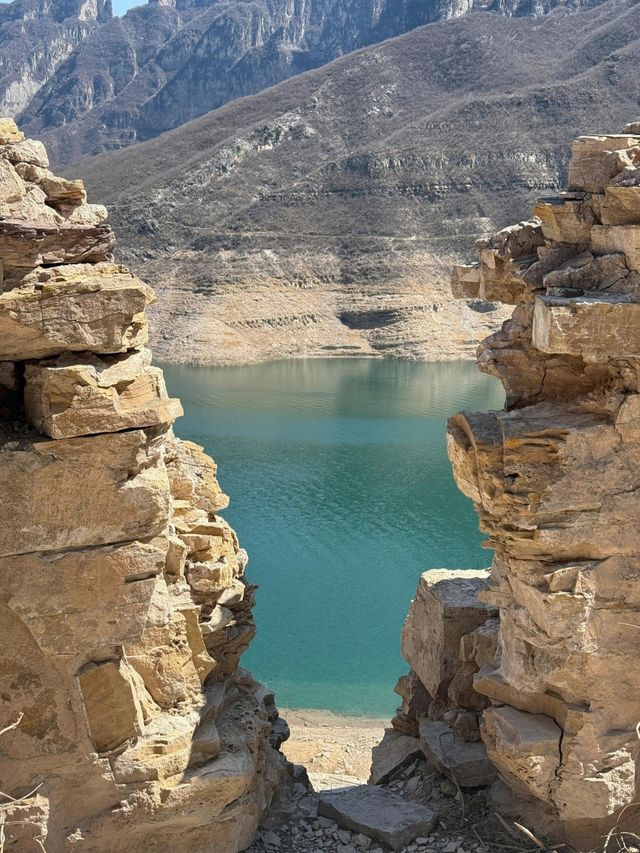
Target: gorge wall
125, 720
551, 686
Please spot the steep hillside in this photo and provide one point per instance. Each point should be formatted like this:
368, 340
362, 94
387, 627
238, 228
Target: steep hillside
86, 82
321, 216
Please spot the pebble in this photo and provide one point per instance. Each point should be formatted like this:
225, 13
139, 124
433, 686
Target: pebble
271, 839
363, 841
343, 836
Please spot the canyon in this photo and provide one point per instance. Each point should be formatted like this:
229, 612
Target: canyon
126, 718
321, 216
86, 81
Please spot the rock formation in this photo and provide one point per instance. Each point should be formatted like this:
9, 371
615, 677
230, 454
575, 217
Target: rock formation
322, 217
125, 721
554, 477
85, 81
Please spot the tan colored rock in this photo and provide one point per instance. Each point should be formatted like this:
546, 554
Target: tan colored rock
465, 762
466, 280
73, 308
193, 477
113, 714
588, 326
84, 585
606, 239
445, 608
74, 396
123, 605
563, 219
9, 132
621, 206
27, 245
596, 160
525, 748
57, 190
26, 151
107, 488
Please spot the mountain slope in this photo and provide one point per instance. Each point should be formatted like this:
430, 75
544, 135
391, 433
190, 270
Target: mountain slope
321, 216
85, 82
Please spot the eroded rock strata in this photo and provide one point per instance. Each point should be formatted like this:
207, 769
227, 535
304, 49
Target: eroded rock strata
553, 684
124, 609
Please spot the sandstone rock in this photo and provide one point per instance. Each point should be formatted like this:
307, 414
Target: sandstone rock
84, 585
621, 206
606, 239
445, 608
123, 605
74, 308
9, 132
554, 480
464, 762
74, 396
392, 754
113, 714
596, 160
26, 151
116, 484
563, 220
415, 703
27, 245
377, 813
588, 326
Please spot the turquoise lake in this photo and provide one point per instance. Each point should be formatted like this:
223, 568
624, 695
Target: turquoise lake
341, 491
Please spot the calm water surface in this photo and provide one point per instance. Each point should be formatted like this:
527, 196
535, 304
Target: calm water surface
342, 494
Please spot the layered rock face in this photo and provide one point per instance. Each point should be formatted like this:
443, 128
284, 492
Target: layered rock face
123, 606
87, 82
554, 477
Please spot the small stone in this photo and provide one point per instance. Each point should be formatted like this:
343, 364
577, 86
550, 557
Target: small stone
272, 839
343, 836
363, 841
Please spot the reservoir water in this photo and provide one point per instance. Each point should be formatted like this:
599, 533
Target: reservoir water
341, 491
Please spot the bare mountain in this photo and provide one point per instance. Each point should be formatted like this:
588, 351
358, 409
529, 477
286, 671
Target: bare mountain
321, 216
86, 82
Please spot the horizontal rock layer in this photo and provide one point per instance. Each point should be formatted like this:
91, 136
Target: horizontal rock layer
124, 608
554, 478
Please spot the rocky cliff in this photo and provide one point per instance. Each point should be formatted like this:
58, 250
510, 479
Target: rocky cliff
322, 217
552, 687
86, 82
125, 720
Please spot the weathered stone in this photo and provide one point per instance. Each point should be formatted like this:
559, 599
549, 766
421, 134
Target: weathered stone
193, 477
74, 396
116, 484
621, 206
394, 752
27, 245
378, 814
144, 734
84, 585
113, 714
596, 160
588, 326
464, 762
465, 281
445, 608
9, 132
606, 239
415, 704
525, 748
26, 151
554, 478
563, 219
73, 308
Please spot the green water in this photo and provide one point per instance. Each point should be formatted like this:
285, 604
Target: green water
342, 494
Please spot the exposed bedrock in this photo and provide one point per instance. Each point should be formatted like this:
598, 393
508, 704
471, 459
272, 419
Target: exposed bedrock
555, 478
124, 608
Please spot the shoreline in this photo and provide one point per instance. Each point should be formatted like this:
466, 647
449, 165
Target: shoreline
334, 748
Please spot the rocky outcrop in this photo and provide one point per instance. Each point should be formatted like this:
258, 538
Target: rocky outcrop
554, 478
125, 720
86, 82
321, 218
